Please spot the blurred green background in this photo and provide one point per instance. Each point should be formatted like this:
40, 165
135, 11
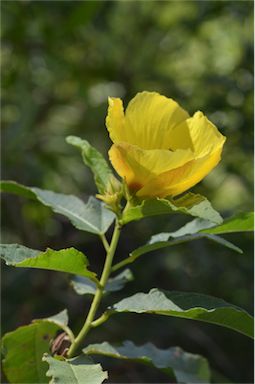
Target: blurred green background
60, 62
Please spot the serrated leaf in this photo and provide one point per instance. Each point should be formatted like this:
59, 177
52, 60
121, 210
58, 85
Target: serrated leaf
189, 204
186, 367
68, 260
95, 161
79, 370
92, 217
23, 349
192, 306
84, 286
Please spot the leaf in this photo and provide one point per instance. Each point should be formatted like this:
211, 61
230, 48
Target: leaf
187, 368
23, 349
189, 204
65, 260
95, 161
16, 189
197, 229
84, 286
79, 370
91, 217
242, 222
164, 239
117, 282
154, 245
194, 230
61, 320
192, 306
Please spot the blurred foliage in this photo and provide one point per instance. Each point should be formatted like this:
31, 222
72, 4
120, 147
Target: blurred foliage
60, 62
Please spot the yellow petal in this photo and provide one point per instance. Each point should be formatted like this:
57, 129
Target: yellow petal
148, 122
138, 166
150, 118
115, 120
204, 136
179, 180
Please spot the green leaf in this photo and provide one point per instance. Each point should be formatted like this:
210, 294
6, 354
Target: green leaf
186, 367
91, 217
194, 230
117, 282
197, 229
65, 260
243, 222
154, 245
95, 161
16, 189
190, 306
60, 319
157, 242
79, 370
84, 286
189, 204
23, 349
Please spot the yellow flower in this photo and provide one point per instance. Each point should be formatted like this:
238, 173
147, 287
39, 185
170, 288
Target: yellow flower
159, 150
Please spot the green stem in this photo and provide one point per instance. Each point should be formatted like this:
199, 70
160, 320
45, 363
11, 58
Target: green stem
122, 264
104, 317
99, 293
105, 242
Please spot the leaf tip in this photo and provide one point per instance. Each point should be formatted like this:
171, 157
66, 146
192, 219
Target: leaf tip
74, 140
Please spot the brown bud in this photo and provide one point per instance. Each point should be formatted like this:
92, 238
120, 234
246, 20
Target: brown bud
60, 344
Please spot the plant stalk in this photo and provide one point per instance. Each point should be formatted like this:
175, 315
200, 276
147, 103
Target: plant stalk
105, 242
99, 292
